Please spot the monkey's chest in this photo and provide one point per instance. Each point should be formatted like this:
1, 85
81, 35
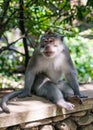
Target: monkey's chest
55, 77
54, 74
52, 68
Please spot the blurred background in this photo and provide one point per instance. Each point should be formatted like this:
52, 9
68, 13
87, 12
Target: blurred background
22, 22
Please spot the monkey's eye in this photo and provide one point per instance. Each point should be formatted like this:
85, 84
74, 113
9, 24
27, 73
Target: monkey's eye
45, 41
51, 40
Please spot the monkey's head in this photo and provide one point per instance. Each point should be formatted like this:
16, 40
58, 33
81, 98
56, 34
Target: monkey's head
51, 44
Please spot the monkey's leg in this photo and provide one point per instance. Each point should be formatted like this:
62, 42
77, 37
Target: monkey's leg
51, 92
68, 92
65, 89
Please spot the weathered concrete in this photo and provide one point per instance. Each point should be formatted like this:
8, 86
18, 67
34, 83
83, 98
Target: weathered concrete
36, 108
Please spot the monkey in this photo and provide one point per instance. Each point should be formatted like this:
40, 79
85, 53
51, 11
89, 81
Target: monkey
49, 62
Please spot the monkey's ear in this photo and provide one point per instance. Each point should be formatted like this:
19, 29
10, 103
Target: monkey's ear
62, 38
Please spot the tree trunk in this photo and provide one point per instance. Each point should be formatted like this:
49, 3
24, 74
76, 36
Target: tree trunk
23, 32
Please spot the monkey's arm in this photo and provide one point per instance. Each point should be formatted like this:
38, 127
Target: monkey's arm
71, 77
73, 82
70, 73
31, 71
29, 79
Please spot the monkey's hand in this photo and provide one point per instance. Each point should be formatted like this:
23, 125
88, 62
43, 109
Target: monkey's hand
24, 94
75, 99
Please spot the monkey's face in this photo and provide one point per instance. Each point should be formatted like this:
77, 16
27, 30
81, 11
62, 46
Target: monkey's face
50, 47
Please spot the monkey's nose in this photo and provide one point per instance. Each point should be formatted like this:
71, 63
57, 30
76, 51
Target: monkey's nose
47, 47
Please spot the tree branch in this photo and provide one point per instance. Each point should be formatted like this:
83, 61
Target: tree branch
16, 51
10, 44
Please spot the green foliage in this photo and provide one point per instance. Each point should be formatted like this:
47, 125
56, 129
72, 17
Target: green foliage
40, 15
9, 61
82, 55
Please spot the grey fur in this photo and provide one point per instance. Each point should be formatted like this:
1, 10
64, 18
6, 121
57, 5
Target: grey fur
49, 62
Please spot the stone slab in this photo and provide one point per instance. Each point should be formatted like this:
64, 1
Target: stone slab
36, 108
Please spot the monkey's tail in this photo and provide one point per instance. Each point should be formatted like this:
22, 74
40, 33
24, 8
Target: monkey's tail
6, 98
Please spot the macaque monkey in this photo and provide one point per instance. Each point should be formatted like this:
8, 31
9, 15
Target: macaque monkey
49, 62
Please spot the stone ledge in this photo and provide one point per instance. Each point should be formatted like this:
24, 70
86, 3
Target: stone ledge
37, 108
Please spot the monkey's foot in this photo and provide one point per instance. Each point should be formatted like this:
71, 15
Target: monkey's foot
66, 105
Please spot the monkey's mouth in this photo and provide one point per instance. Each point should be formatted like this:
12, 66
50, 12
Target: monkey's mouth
48, 53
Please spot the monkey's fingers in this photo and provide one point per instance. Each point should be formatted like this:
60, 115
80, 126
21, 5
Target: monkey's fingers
83, 96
